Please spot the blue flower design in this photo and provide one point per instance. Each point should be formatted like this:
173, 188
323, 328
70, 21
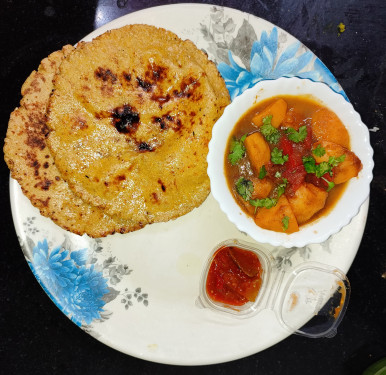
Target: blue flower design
83, 301
53, 269
77, 289
266, 63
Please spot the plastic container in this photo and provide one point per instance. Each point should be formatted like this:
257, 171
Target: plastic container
310, 299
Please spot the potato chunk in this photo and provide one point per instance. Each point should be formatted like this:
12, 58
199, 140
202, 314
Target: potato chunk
349, 168
277, 109
275, 217
258, 151
307, 201
326, 126
261, 188
293, 119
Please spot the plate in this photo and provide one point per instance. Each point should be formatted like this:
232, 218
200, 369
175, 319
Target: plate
137, 292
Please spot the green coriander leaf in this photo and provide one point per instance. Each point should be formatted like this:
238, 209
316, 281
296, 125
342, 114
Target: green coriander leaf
265, 202
285, 222
297, 136
244, 187
319, 151
267, 120
237, 150
262, 172
334, 161
271, 134
322, 169
277, 174
329, 183
277, 156
309, 164
280, 189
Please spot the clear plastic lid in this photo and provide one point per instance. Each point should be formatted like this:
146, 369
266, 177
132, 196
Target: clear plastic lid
310, 299
314, 300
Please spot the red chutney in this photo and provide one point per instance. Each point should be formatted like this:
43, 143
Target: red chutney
234, 276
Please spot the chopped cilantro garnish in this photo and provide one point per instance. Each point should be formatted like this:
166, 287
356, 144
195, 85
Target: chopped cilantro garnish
265, 202
334, 161
277, 156
319, 151
267, 120
244, 187
297, 136
329, 183
280, 189
262, 173
271, 134
277, 174
237, 150
318, 169
309, 164
322, 168
285, 222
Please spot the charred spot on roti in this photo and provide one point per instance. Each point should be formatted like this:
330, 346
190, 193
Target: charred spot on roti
153, 75
125, 119
79, 123
36, 131
119, 179
106, 75
143, 84
156, 72
144, 146
45, 202
163, 187
160, 121
187, 88
167, 121
161, 99
44, 184
126, 76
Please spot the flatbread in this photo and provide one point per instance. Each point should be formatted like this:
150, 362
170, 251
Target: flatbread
32, 164
131, 118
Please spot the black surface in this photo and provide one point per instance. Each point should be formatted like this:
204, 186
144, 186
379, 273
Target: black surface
36, 338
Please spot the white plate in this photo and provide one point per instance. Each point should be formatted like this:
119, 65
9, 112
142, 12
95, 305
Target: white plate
136, 292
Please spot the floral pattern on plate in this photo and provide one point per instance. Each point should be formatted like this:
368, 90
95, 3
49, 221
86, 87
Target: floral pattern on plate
246, 59
79, 281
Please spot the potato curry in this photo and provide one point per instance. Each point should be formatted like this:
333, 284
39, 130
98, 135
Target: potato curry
289, 159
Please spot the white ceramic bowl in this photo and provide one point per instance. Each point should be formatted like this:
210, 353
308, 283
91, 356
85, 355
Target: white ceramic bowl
354, 195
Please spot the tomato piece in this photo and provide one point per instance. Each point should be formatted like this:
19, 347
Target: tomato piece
286, 145
295, 177
248, 262
272, 169
294, 160
307, 143
319, 182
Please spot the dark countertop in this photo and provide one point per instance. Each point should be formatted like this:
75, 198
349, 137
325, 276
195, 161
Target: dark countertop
36, 338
